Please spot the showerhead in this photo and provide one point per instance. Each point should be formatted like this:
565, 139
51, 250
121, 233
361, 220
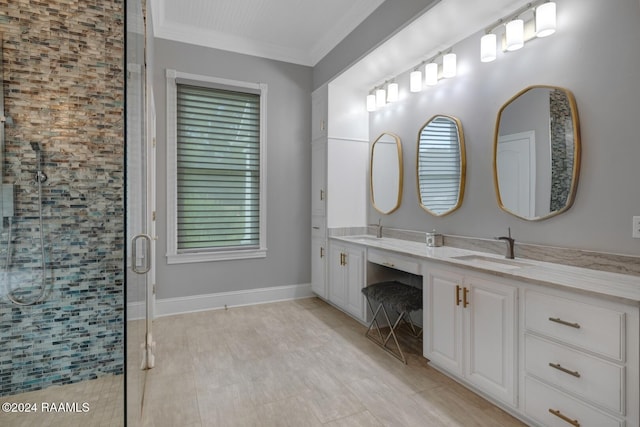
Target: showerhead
36, 146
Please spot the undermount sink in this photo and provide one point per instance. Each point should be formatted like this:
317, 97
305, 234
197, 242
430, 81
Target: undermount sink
365, 238
492, 262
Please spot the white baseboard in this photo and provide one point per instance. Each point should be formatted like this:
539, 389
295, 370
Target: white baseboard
171, 306
135, 310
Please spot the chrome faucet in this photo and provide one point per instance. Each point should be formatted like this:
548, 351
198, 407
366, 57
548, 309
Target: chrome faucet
510, 242
379, 230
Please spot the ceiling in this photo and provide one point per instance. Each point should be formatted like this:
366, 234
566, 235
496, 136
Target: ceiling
297, 31
304, 31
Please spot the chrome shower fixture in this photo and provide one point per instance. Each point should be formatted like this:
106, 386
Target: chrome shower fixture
40, 176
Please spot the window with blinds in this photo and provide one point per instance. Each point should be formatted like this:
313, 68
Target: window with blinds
439, 165
218, 169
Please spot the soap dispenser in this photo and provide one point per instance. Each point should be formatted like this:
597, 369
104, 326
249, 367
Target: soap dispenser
434, 239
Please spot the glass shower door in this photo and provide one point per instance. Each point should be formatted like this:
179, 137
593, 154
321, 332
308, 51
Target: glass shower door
139, 248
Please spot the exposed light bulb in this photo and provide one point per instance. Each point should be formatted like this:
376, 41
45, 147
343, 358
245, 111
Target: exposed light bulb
546, 19
488, 47
415, 81
515, 34
449, 65
392, 92
431, 73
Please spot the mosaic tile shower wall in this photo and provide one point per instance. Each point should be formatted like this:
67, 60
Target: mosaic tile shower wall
63, 86
562, 146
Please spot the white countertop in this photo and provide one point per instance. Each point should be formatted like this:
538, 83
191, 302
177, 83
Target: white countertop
604, 283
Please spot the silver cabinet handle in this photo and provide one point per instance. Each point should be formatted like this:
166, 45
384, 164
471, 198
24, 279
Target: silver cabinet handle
147, 254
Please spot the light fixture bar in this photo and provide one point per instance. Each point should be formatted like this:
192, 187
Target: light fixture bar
514, 15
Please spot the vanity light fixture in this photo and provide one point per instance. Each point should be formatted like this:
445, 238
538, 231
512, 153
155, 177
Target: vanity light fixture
515, 34
392, 92
381, 98
449, 68
431, 73
415, 81
535, 19
546, 19
371, 103
378, 97
488, 47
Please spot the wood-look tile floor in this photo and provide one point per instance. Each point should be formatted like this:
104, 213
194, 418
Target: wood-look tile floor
296, 363
93, 403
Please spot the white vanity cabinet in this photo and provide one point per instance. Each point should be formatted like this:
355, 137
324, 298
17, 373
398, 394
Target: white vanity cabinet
319, 177
346, 278
471, 328
319, 112
338, 187
319, 254
580, 359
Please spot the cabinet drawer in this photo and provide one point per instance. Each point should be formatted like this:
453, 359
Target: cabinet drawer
541, 400
587, 326
389, 260
586, 376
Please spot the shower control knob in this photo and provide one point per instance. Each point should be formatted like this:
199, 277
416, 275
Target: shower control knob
41, 177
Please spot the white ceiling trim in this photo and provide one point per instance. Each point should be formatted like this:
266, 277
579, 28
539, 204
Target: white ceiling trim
229, 42
341, 29
349, 19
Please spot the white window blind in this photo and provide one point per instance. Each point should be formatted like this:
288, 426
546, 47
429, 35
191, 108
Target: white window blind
439, 165
218, 169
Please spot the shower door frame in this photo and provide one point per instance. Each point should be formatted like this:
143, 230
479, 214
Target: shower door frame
141, 199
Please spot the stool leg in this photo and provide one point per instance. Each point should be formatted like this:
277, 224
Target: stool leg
374, 321
413, 327
391, 334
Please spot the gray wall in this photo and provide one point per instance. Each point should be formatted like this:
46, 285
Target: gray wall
288, 173
389, 18
594, 54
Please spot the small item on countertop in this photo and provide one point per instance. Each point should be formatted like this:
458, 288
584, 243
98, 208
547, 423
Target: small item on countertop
434, 239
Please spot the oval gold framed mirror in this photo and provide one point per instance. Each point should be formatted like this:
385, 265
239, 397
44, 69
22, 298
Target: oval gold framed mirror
441, 165
386, 173
536, 153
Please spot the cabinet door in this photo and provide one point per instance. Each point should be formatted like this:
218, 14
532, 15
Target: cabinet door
318, 177
490, 327
337, 281
319, 112
319, 266
355, 281
443, 338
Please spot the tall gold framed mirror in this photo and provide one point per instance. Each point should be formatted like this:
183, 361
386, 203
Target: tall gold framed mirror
386, 173
536, 153
441, 165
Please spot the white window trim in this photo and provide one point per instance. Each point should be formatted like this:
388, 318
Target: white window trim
173, 256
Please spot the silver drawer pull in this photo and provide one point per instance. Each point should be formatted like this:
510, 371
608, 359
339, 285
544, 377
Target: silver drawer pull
563, 417
565, 370
564, 322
